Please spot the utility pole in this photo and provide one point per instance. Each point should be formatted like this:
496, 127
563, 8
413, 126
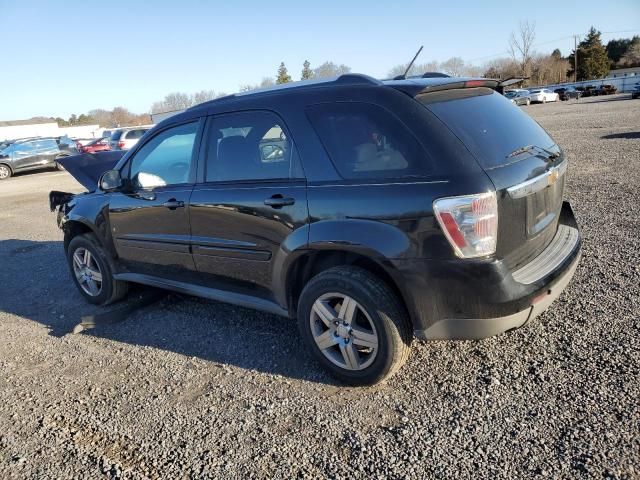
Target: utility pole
575, 58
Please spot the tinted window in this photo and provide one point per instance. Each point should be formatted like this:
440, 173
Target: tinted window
46, 144
25, 147
367, 141
134, 134
249, 146
115, 136
489, 126
166, 159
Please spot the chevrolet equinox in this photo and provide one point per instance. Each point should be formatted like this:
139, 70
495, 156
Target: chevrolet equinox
372, 211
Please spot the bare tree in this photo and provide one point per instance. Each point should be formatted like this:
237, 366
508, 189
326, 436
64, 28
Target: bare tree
501, 68
177, 101
632, 56
521, 46
330, 69
416, 69
454, 67
204, 96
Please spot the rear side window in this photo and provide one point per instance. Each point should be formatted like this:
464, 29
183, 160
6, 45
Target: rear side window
367, 141
134, 134
115, 136
248, 146
489, 125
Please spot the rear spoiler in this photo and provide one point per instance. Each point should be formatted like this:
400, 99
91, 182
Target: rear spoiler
492, 83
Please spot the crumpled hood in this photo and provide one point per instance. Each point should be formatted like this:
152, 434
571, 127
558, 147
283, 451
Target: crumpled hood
88, 167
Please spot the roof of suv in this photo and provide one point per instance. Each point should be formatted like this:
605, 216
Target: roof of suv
410, 85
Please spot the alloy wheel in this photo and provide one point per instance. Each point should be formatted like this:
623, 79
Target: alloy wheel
87, 272
4, 172
344, 331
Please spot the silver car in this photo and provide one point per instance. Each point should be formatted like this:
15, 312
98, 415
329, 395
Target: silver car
126, 138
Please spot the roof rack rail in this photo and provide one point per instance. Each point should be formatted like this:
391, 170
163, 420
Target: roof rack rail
435, 75
350, 78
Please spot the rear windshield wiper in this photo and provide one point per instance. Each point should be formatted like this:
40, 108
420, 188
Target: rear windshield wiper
519, 151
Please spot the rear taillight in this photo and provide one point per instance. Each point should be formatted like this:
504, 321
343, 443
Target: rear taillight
470, 223
121, 144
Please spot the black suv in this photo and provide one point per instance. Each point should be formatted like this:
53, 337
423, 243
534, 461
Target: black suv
33, 153
371, 211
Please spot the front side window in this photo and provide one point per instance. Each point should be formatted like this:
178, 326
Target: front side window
24, 148
248, 146
165, 159
367, 141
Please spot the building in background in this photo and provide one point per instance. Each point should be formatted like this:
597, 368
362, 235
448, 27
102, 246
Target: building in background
27, 128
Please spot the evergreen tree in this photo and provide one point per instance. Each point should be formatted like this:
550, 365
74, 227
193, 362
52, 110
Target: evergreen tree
592, 57
307, 73
283, 74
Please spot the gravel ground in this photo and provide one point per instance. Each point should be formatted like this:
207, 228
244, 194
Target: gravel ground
192, 388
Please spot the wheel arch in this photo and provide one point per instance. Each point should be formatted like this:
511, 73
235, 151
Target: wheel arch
8, 165
73, 228
312, 262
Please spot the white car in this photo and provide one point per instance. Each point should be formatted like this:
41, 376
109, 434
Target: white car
543, 95
126, 138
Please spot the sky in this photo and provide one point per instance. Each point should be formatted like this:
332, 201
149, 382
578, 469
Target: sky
59, 58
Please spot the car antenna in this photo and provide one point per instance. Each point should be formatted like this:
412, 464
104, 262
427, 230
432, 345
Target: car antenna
404, 75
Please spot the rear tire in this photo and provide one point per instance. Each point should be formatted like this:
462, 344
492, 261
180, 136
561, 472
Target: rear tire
362, 322
5, 171
92, 272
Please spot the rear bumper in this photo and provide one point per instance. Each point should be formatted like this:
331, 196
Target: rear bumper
459, 299
478, 328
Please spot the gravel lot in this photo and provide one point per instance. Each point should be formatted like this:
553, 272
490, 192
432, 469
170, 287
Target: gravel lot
192, 388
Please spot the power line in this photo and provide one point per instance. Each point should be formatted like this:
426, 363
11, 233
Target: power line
506, 52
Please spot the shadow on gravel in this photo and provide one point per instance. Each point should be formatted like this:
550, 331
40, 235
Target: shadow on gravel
37, 285
625, 135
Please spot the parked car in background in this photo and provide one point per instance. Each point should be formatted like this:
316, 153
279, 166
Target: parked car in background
567, 93
34, 153
590, 91
223, 201
126, 138
97, 145
519, 96
607, 89
636, 92
543, 95
68, 145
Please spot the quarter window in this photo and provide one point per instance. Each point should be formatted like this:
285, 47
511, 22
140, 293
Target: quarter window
248, 146
166, 159
366, 141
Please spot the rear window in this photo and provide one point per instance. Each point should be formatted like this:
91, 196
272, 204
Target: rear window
489, 125
367, 141
116, 135
134, 134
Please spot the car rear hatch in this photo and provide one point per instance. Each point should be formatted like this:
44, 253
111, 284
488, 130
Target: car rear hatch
521, 159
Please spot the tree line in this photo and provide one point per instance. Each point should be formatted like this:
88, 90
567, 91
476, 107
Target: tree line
118, 117
594, 61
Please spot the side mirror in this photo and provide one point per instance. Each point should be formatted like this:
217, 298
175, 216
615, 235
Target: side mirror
110, 180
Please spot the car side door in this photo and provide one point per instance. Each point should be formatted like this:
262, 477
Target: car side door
25, 155
149, 216
251, 202
48, 151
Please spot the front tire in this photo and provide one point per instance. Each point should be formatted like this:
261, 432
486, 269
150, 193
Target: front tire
92, 272
354, 325
5, 172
